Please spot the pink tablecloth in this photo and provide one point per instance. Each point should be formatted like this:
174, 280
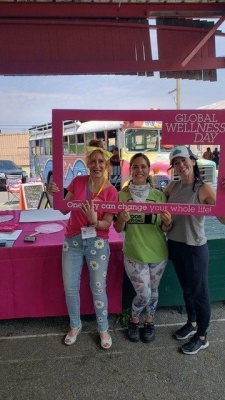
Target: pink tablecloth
31, 279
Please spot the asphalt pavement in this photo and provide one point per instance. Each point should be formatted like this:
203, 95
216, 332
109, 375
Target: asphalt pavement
8, 201
36, 365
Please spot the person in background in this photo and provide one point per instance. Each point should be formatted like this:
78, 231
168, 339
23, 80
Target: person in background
216, 156
188, 250
145, 248
115, 161
86, 238
208, 155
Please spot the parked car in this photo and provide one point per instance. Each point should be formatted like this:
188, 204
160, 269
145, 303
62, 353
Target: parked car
8, 167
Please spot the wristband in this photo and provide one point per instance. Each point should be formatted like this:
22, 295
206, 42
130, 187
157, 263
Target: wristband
95, 225
169, 225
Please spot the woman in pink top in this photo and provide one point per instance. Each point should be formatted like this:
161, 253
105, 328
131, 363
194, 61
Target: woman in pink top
87, 238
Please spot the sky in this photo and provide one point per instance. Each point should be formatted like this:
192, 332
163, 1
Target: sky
26, 101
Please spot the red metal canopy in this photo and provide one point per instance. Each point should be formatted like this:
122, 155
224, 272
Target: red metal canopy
61, 38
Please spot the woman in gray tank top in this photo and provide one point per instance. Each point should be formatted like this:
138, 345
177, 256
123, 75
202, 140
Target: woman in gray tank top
188, 248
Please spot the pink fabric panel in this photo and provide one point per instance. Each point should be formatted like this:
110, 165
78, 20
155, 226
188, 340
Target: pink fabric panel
31, 279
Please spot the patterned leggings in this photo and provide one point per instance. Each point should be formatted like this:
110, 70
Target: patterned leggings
145, 279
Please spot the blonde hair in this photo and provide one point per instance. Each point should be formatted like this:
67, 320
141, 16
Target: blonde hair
99, 143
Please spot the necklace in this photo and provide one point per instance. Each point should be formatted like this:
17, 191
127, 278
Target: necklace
95, 195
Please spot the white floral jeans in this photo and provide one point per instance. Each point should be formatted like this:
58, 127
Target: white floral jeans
96, 252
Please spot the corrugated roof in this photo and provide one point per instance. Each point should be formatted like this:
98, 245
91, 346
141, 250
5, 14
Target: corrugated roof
219, 105
54, 37
113, 8
120, 2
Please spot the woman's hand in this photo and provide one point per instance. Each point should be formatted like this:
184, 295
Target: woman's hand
89, 210
124, 216
167, 222
52, 188
166, 217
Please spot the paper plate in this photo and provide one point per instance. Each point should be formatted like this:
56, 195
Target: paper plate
4, 218
49, 228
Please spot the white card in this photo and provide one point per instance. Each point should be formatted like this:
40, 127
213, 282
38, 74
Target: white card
88, 232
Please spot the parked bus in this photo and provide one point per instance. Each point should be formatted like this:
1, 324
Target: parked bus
122, 138
145, 137
74, 147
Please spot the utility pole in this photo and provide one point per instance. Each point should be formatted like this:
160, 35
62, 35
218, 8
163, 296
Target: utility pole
177, 96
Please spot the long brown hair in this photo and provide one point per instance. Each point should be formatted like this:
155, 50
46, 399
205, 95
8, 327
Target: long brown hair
142, 155
196, 170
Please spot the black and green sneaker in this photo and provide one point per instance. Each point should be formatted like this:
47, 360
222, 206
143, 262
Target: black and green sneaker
148, 332
194, 345
185, 332
133, 331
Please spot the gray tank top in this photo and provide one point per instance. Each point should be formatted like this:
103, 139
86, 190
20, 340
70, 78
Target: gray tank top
187, 229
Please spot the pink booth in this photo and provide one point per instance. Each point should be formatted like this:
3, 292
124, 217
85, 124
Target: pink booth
31, 279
